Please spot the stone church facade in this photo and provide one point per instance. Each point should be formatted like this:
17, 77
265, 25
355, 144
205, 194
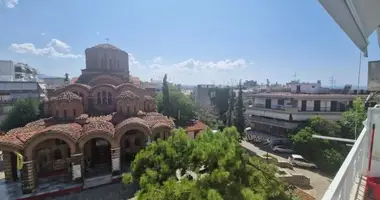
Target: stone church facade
93, 126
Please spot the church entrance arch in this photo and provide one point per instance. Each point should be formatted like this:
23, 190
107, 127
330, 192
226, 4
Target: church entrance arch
97, 157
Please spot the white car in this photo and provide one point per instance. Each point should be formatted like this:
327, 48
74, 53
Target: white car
298, 160
282, 149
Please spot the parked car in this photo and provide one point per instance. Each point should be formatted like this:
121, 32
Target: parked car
267, 142
282, 149
298, 160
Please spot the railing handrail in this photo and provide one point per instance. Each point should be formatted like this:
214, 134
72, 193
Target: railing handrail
341, 176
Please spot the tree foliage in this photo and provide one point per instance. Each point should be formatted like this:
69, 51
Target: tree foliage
182, 108
230, 111
329, 155
352, 120
223, 170
23, 111
165, 97
209, 116
239, 119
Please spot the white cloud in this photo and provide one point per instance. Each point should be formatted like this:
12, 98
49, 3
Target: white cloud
158, 63
9, 3
43, 34
157, 59
98, 33
204, 65
55, 48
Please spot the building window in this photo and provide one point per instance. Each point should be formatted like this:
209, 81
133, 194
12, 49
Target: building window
74, 113
65, 113
110, 63
128, 110
56, 113
134, 109
104, 97
81, 96
109, 98
118, 66
148, 107
57, 154
99, 99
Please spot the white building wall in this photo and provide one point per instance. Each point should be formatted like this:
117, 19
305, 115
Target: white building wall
7, 70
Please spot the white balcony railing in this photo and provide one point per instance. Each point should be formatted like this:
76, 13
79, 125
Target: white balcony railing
347, 180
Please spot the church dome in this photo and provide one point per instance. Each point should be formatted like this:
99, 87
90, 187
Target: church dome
106, 46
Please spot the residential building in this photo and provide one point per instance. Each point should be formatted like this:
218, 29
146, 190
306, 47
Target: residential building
95, 128
10, 91
194, 128
7, 70
203, 94
281, 112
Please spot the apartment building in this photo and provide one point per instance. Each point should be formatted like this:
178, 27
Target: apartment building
282, 112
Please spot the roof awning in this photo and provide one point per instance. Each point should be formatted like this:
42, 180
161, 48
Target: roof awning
357, 18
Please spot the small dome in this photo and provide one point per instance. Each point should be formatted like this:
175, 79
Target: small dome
105, 46
66, 96
127, 95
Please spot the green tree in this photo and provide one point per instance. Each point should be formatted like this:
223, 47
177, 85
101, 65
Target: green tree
208, 116
220, 168
239, 119
23, 111
352, 120
230, 111
182, 106
328, 155
166, 97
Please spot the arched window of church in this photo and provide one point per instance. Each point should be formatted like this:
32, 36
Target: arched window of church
127, 110
57, 154
109, 98
81, 96
104, 97
148, 107
65, 113
74, 113
134, 109
118, 66
110, 63
99, 100
56, 113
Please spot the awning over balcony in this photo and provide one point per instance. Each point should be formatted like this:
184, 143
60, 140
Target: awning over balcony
357, 18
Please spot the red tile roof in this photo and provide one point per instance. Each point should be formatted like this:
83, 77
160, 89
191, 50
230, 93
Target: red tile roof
73, 80
197, 126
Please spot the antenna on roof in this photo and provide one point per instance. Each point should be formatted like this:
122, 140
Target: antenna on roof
107, 40
332, 82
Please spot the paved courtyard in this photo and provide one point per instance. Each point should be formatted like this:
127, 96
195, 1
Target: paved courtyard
108, 192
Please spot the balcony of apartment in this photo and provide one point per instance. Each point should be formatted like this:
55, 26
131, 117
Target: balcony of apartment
292, 112
272, 122
349, 181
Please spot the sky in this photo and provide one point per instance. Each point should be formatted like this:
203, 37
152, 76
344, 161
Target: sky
194, 42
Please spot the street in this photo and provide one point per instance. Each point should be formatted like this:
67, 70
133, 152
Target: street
319, 182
